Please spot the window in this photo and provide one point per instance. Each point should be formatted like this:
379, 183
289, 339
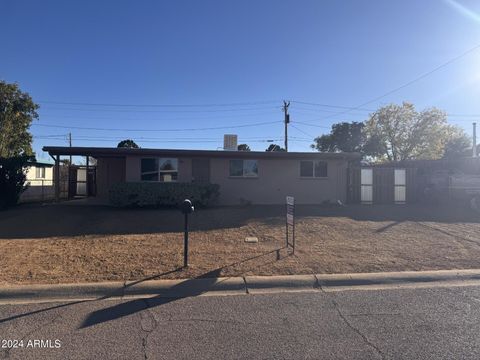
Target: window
40, 172
310, 169
243, 168
159, 169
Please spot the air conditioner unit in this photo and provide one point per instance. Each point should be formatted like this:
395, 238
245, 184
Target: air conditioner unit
230, 142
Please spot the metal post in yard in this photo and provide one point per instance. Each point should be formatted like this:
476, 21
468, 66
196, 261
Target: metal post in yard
187, 208
185, 242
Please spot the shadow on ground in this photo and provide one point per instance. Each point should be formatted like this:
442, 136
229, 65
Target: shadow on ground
63, 220
136, 305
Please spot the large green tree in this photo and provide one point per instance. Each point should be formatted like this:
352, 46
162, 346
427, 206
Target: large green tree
17, 111
344, 136
402, 133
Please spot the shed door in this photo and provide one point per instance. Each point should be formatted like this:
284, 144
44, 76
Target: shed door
201, 170
366, 186
400, 193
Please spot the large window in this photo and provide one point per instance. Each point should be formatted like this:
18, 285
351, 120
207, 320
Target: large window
313, 169
40, 172
243, 168
159, 169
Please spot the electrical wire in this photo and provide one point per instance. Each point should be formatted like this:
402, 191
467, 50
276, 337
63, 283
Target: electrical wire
159, 130
303, 132
162, 105
418, 78
160, 111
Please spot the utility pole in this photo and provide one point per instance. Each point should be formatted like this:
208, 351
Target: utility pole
474, 148
70, 143
286, 104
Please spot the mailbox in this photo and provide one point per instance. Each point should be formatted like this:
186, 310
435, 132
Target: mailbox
186, 207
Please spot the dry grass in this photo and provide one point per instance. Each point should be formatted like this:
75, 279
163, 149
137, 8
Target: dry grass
65, 243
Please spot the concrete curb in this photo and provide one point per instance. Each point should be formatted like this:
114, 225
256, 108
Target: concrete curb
236, 285
281, 283
366, 281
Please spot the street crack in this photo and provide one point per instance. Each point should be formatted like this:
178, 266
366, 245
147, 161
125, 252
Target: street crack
348, 323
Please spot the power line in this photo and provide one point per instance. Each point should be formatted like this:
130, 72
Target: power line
424, 75
161, 111
157, 130
418, 78
82, 137
161, 105
319, 126
303, 132
328, 105
116, 118
176, 141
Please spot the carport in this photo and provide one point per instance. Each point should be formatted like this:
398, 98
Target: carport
80, 179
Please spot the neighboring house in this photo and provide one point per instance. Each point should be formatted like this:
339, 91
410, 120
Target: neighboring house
40, 182
244, 176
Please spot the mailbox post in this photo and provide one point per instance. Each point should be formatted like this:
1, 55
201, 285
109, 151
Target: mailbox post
187, 208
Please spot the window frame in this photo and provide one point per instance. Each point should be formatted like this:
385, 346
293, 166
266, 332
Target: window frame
158, 171
243, 176
314, 163
41, 170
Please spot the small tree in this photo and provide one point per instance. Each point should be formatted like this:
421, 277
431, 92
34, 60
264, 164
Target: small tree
128, 143
243, 147
274, 147
12, 179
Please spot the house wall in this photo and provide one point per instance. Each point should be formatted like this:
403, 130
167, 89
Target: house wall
276, 179
31, 174
39, 189
109, 172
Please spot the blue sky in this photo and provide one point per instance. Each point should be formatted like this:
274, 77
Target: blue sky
250, 54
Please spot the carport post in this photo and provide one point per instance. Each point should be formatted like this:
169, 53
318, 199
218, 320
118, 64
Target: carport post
86, 176
57, 178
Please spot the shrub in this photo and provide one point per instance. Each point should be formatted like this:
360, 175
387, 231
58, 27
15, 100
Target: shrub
12, 179
146, 194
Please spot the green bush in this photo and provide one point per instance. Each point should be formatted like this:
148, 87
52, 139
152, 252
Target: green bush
12, 179
153, 194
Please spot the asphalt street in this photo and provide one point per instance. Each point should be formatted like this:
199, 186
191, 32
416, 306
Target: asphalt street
419, 323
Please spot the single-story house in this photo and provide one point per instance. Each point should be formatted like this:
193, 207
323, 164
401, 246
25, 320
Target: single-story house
243, 176
39, 179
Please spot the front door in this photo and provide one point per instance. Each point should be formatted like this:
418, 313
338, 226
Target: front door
201, 170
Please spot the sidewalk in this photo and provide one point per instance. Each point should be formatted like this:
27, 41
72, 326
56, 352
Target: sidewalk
237, 286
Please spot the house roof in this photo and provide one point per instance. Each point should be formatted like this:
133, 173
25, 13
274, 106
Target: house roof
39, 164
121, 152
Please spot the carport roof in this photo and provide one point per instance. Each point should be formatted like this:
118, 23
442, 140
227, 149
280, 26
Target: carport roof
121, 152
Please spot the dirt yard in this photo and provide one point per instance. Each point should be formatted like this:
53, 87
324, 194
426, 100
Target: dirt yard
83, 243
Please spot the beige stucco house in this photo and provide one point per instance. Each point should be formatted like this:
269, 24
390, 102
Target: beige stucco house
39, 179
243, 176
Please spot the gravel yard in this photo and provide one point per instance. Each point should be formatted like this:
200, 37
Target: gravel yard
82, 243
